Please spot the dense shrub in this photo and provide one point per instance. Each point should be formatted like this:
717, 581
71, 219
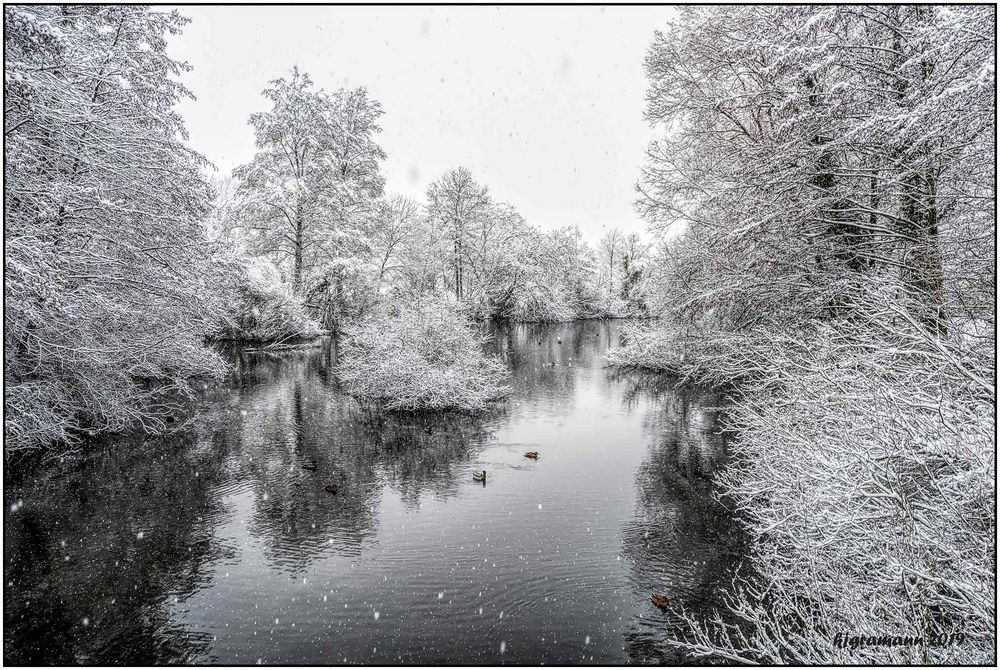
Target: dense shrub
868, 484
264, 308
420, 356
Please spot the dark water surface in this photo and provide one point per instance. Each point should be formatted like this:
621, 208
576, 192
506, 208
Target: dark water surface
214, 545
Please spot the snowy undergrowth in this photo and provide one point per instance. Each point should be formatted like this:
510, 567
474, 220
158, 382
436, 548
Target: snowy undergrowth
649, 346
706, 355
265, 309
863, 468
539, 303
418, 357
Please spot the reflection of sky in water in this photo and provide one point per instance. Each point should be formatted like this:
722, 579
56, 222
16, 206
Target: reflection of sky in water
244, 556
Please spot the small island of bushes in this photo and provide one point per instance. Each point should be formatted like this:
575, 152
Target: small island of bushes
420, 356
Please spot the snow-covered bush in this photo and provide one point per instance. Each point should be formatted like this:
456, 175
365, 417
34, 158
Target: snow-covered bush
341, 290
650, 346
867, 485
421, 355
537, 302
264, 308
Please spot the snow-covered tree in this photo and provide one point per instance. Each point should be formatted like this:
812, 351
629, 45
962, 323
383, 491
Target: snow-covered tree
573, 265
830, 170
456, 203
499, 265
395, 225
315, 176
609, 251
108, 283
620, 272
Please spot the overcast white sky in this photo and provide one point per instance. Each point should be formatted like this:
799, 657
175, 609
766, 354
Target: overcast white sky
543, 104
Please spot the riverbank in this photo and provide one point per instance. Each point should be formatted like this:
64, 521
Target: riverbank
834, 452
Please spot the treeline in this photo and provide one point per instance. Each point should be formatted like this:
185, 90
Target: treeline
123, 258
828, 175
311, 204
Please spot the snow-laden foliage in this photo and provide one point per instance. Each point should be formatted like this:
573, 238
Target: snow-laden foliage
420, 354
263, 308
108, 285
829, 172
315, 177
867, 482
341, 290
499, 266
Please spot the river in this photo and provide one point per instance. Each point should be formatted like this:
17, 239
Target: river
213, 544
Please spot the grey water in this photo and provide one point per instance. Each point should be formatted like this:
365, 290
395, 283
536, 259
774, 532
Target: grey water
214, 544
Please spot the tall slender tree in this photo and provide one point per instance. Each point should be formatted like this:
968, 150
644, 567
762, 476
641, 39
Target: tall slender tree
315, 175
456, 203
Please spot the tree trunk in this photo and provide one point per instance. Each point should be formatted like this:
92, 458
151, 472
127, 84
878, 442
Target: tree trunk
458, 268
921, 272
299, 225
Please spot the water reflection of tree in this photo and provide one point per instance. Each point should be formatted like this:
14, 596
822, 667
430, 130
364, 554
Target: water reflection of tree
541, 357
277, 413
96, 554
681, 541
293, 415
419, 455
